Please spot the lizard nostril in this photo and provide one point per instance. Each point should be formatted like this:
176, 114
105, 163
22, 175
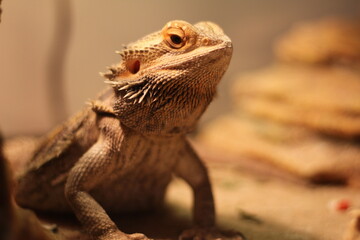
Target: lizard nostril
133, 66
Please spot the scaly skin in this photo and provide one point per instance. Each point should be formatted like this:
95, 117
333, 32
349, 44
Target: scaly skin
119, 155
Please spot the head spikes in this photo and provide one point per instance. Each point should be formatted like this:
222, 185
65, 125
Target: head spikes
124, 87
111, 74
113, 70
136, 94
129, 94
144, 95
138, 91
112, 83
107, 75
121, 53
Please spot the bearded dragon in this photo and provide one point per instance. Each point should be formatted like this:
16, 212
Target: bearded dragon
119, 154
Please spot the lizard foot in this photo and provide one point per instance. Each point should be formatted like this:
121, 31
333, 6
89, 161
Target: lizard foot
138, 236
210, 234
122, 236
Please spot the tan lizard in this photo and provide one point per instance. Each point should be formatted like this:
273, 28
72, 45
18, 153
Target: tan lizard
119, 155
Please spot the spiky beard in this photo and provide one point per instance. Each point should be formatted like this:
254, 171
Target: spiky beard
146, 90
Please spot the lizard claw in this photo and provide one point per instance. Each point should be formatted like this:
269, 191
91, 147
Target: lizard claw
138, 236
121, 236
210, 234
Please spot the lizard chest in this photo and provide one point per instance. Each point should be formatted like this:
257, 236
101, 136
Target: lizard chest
143, 170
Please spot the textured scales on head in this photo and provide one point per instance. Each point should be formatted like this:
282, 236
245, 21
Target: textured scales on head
166, 80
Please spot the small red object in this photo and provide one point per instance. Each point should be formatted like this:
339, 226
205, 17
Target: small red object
342, 205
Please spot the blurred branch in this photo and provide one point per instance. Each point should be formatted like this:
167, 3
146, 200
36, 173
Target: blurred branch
56, 61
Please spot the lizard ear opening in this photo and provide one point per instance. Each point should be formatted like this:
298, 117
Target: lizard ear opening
133, 66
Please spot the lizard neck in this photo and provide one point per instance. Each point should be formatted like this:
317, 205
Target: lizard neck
168, 117
160, 139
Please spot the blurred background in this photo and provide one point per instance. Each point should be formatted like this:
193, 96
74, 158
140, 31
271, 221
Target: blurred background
287, 113
95, 29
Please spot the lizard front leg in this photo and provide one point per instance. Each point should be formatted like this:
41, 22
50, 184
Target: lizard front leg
193, 171
92, 168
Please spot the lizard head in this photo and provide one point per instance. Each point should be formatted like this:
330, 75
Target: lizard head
166, 80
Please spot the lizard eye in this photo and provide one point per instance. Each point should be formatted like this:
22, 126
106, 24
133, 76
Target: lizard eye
175, 37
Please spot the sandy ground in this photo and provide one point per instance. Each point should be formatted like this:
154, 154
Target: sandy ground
267, 204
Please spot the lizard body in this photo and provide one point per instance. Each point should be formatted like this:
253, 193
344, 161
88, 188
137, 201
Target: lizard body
120, 153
